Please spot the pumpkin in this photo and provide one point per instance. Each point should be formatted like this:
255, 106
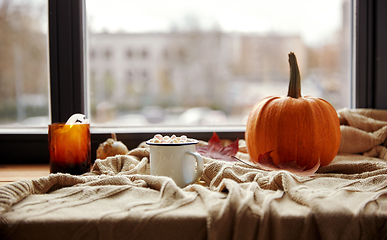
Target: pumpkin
290, 128
111, 147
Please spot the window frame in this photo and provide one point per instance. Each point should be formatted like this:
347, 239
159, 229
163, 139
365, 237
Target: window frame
370, 47
68, 89
67, 45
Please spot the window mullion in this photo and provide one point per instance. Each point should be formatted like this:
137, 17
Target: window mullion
66, 43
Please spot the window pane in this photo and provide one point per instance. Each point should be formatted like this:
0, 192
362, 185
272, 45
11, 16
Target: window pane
23, 63
208, 62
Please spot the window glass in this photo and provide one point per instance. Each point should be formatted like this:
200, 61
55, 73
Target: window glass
24, 97
179, 62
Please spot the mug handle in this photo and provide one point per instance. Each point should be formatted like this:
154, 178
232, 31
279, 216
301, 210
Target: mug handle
200, 166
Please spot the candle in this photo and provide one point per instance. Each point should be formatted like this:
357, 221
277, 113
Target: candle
69, 147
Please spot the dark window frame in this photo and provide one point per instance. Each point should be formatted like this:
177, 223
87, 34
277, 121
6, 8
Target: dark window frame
67, 75
371, 36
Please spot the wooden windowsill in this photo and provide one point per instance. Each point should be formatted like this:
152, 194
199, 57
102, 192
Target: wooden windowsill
11, 173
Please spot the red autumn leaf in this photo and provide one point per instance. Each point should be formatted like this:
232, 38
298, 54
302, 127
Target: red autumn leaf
265, 161
216, 150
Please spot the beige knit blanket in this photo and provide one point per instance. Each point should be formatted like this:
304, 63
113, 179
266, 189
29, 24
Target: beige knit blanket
118, 199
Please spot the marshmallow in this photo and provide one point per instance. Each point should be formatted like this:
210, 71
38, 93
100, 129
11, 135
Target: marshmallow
158, 138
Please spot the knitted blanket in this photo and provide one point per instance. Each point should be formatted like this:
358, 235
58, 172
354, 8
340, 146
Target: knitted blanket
118, 199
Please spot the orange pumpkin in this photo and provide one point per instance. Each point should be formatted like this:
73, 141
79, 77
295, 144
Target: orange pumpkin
293, 128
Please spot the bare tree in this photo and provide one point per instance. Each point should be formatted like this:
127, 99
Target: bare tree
23, 52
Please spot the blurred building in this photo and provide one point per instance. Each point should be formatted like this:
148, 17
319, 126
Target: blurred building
187, 69
265, 58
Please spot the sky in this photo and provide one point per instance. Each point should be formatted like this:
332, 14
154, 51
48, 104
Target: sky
314, 20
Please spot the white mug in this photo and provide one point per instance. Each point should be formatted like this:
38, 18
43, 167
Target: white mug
180, 161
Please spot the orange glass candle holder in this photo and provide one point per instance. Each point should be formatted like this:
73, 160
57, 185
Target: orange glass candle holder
69, 147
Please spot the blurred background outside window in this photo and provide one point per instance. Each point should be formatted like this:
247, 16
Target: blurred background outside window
179, 62
205, 62
24, 94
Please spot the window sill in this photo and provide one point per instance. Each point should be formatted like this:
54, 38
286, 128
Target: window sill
98, 129
12, 173
30, 145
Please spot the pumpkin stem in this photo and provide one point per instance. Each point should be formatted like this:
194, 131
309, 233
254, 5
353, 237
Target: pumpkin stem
295, 78
114, 136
